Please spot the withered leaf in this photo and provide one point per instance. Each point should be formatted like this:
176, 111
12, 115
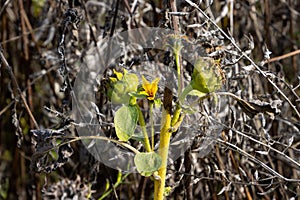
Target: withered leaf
16, 123
254, 107
44, 141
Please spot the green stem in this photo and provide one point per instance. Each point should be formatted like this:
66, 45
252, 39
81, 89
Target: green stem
152, 125
178, 66
144, 130
119, 181
185, 92
176, 114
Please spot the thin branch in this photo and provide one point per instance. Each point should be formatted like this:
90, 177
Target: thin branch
176, 26
76, 138
23, 28
113, 26
261, 163
14, 80
4, 7
31, 83
258, 142
287, 55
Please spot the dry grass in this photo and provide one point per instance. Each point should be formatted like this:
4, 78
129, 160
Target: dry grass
244, 147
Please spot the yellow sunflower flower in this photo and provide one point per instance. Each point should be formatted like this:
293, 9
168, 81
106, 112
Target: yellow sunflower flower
150, 89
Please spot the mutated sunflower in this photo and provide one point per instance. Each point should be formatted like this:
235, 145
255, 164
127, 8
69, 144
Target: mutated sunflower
149, 89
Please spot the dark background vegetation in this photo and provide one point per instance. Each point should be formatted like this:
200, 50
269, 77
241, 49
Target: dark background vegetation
30, 35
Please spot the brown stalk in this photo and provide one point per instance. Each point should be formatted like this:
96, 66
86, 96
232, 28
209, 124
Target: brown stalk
293, 58
31, 31
15, 83
293, 53
222, 167
23, 27
177, 31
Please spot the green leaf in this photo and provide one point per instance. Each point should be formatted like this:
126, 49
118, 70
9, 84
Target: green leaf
206, 76
125, 122
137, 95
147, 163
138, 136
197, 93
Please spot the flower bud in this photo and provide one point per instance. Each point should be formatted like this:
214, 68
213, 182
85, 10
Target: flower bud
206, 76
121, 86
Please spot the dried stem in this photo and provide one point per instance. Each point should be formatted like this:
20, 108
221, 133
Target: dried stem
14, 80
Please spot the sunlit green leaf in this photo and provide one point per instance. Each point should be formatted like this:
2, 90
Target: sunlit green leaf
125, 122
147, 163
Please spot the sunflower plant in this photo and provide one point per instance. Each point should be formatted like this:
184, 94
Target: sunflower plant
126, 89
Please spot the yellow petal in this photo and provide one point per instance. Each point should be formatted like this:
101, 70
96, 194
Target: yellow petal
154, 86
118, 74
151, 98
145, 82
112, 79
155, 81
150, 89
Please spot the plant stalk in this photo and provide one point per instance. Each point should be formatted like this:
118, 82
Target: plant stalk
152, 125
144, 130
165, 135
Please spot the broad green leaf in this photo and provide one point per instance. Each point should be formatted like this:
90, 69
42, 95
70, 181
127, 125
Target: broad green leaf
125, 122
147, 163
